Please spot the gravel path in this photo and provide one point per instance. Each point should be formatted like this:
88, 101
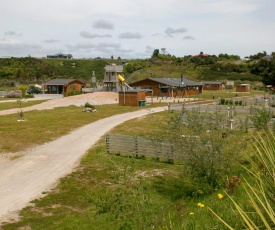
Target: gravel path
39, 169
96, 98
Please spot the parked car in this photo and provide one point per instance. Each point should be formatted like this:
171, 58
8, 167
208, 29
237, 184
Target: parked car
33, 91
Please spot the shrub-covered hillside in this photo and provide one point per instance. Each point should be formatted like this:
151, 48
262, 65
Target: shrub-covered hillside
202, 67
30, 70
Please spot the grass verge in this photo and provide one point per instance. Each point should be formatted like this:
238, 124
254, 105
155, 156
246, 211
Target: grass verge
14, 104
47, 125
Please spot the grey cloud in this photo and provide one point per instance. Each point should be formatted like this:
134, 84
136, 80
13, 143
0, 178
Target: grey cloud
157, 34
51, 41
129, 35
80, 46
103, 24
10, 47
149, 49
89, 46
109, 45
85, 34
12, 33
170, 31
188, 38
124, 50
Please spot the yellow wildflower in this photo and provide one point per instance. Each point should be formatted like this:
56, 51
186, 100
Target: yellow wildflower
191, 213
220, 196
201, 205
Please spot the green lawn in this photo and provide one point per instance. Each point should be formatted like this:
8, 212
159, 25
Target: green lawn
14, 104
46, 125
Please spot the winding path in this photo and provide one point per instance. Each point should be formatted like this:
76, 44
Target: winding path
25, 178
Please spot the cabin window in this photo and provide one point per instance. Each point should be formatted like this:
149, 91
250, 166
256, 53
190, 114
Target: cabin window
164, 90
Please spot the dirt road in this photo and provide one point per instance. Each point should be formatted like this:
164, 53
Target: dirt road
25, 178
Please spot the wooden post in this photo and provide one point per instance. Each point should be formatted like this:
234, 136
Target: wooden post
136, 146
108, 144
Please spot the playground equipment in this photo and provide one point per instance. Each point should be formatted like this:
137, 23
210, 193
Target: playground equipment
122, 80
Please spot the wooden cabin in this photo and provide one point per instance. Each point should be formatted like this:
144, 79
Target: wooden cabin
61, 86
169, 87
243, 88
212, 85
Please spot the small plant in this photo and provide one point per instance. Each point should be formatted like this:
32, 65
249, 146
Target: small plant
232, 183
261, 117
88, 105
23, 89
20, 112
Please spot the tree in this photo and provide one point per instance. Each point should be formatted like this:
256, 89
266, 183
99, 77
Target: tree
23, 89
155, 53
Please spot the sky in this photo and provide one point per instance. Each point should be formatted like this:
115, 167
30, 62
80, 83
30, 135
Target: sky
134, 29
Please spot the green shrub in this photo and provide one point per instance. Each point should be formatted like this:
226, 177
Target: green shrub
29, 96
207, 153
88, 105
260, 117
72, 93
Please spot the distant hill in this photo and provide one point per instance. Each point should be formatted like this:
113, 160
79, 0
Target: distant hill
30, 70
200, 68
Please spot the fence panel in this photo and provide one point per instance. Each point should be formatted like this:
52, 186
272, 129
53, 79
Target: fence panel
139, 146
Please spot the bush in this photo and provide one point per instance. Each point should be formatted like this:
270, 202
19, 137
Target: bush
88, 105
206, 151
222, 102
260, 117
29, 96
72, 93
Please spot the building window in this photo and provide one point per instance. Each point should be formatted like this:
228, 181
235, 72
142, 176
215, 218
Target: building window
164, 90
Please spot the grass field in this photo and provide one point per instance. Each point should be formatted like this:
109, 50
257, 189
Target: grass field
109, 191
14, 104
46, 125
114, 192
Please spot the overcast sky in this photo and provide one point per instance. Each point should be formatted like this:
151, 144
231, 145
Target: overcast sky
133, 29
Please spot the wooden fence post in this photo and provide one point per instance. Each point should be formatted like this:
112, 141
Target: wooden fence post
108, 143
136, 146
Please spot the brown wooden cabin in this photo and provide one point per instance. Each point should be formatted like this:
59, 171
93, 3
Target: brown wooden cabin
212, 85
61, 86
170, 87
243, 88
135, 97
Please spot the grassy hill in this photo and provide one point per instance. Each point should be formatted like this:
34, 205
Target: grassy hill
219, 71
31, 70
